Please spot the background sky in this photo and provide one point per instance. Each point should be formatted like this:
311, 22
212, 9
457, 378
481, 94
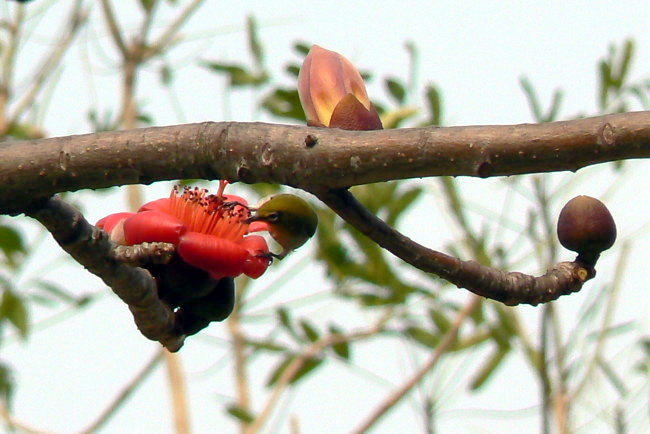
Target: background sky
73, 365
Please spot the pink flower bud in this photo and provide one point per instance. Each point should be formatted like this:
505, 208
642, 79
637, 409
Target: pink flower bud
333, 94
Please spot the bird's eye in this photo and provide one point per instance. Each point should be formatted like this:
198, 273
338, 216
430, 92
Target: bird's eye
273, 217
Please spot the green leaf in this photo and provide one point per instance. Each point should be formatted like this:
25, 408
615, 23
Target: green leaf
101, 122
147, 5
624, 65
240, 413
612, 331
506, 326
61, 294
166, 75
645, 345
285, 320
531, 96
489, 366
440, 320
254, 44
238, 75
434, 104
555, 106
423, 336
605, 83
341, 349
309, 331
13, 309
302, 47
612, 376
395, 89
284, 103
265, 345
370, 299
7, 383
24, 131
307, 366
11, 243
293, 70
145, 119
400, 203
393, 118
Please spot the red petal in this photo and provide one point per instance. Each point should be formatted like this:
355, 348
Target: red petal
162, 205
255, 244
218, 256
255, 264
150, 226
108, 223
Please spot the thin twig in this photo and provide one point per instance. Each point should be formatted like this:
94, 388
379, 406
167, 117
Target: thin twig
77, 18
166, 38
16, 424
298, 362
113, 28
603, 331
543, 375
178, 393
125, 393
445, 344
239, 351
561, 405
8, 66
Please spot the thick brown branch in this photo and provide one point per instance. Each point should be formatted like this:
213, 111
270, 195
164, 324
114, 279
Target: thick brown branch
511, 288
91, 247
257, 152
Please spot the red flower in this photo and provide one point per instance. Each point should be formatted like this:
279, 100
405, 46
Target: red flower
208, 230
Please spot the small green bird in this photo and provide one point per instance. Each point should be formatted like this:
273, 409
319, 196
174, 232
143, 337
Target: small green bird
290, 220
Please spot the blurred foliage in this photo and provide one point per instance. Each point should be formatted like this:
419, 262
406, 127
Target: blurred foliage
419, 308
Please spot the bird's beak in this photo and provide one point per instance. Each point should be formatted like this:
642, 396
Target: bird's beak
256, 225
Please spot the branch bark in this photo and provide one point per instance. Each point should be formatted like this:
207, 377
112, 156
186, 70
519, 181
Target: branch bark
308, 157
510, 288
322, 161
91, 247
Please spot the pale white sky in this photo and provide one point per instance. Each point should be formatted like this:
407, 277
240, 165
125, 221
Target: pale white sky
476, 52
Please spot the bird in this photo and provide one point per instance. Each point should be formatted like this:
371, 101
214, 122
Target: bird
290, 220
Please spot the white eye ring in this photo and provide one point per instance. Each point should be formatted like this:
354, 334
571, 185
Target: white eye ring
273, 217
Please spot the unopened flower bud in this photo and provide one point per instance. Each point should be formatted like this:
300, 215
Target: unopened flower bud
333, 94
586, 226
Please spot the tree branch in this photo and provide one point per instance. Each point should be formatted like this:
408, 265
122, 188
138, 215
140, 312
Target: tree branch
91, 247
299, 361
510, 288
308, 157
43, 72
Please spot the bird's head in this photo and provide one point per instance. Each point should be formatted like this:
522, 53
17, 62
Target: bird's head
290, 220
